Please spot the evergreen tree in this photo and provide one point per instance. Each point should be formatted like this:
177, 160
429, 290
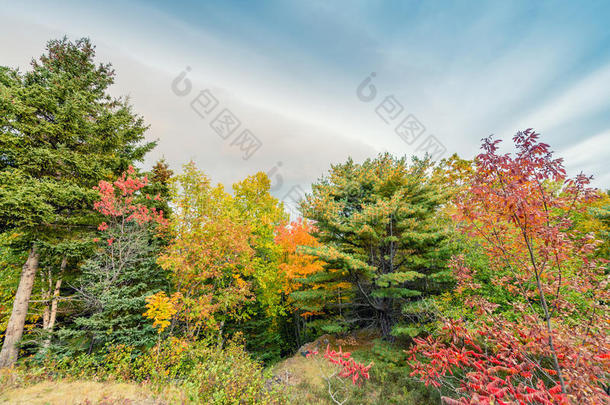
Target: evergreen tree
160, 178
118, 278
382, 232
295, 266
60, 133
113, 289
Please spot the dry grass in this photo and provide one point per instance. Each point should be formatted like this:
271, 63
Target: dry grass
88, 393
304, 375
298, 369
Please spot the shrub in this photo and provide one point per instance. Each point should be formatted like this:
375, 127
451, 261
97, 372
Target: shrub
206, 373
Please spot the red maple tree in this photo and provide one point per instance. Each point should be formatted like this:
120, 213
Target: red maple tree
118, 201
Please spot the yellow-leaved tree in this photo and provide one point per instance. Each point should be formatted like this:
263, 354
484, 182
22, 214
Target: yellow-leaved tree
209, 257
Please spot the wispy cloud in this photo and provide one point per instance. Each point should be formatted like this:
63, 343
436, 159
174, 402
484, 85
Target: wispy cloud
580, 100
590, 156
291, 69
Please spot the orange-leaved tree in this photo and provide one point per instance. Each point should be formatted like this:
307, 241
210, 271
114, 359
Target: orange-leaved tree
304, 281
296, 265
306, 278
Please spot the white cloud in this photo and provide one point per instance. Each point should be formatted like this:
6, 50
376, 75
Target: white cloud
590, 156
305, 150
581, 99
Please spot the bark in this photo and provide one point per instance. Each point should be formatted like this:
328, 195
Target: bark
54, 305
386, 325
14, 329
46, 298
220, 339
51, 309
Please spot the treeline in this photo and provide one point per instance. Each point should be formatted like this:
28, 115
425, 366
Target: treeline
220, 262
453, 260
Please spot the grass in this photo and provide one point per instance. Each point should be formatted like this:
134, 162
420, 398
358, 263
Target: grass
389, 384
64, 392
302, 378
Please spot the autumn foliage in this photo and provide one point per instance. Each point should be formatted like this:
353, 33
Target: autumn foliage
479, 281
161, 309
118, 201
297, 265
553, 345
347, 369
209, 256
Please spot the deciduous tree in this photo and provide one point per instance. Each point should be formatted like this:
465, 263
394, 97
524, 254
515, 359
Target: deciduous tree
209, 256
265, 328
554, 346
123, 272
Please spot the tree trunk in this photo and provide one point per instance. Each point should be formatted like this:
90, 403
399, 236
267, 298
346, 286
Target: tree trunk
46, 297
14, 329
220, 339
51, 308
54, 305
386, 325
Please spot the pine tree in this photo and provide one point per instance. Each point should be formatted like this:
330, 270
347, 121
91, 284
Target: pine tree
382, 234
60, 133
160, 179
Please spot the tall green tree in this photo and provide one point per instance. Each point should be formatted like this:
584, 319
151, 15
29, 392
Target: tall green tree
160, 178
60, 133
265, 328
382, 231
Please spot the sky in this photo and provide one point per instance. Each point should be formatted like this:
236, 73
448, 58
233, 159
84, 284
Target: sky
313, 82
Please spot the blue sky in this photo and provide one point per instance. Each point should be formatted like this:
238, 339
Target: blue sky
289, 71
